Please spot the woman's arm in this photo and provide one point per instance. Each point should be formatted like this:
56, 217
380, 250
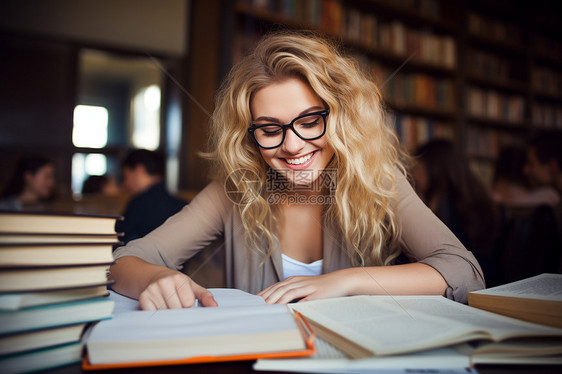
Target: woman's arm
157, 287
408, 279
443, 267
147, 268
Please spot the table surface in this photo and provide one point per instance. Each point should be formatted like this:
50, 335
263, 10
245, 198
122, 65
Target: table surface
241, 367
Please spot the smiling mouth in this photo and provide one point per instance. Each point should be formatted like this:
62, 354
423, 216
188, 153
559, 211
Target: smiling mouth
300, 160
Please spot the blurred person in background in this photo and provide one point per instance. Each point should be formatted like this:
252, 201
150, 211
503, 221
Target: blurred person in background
100, 184
32, 184
444, 181
511, 185
151, 203
544, 167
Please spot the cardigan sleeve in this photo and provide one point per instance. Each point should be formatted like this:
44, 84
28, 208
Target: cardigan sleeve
184, 234
427, 240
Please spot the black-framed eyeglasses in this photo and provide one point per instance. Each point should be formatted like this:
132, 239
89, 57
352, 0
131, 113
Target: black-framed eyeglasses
309, 126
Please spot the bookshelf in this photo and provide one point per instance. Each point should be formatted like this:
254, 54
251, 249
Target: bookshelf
546, 83
462, 70
409, 49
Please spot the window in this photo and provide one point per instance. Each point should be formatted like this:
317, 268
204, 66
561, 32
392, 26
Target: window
84, 165
90, 126
146, 118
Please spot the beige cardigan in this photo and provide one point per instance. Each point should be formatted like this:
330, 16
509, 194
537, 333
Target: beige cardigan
211, 215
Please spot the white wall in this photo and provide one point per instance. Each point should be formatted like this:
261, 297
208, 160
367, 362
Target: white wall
145, 25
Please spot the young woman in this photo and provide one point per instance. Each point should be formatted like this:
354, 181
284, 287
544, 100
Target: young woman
310, 196
31, 184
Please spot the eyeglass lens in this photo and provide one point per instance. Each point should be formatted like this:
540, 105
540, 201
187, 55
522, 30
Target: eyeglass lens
307, 127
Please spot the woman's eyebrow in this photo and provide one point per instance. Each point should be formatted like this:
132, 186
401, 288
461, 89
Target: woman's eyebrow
276, 120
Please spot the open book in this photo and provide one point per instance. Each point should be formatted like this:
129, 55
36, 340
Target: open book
243, 327
536, 299
366, 326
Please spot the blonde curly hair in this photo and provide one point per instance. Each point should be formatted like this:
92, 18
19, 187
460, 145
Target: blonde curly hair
367, 153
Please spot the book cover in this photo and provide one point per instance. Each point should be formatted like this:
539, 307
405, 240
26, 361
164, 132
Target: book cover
49, 254
38, 339
15, 301
242, 327
53, 315
51, 278
56, 223
535, 299
43, 359
30, 238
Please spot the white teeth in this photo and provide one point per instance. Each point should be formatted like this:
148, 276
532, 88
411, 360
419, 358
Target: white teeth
298, 161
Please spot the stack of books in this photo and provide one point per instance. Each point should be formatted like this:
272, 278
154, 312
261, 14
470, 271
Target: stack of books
53, 284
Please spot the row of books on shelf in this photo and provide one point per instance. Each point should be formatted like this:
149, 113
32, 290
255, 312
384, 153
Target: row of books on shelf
310, 10
428, 8
399, 39
547, 48
53, 286
493, 29
547, 80
547, 116
369, 31
489, 66
487, 143
413, 131
420, 90
493, 105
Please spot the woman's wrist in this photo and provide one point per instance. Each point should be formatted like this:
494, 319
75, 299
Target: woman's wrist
353, 280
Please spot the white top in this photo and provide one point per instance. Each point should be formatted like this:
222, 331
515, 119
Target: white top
293, 267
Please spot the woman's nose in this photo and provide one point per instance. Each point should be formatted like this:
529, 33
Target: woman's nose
292, 143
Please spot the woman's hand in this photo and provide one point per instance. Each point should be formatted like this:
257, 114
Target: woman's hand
170, 289
304, 288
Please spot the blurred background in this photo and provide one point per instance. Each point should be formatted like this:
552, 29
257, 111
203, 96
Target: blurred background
83, 82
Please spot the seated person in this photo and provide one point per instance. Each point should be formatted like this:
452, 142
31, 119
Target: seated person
151, 204
544, 168
444, 181
100, 185
310, 199
31, 185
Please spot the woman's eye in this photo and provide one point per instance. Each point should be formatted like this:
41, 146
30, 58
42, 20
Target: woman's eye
310, 124
270, 131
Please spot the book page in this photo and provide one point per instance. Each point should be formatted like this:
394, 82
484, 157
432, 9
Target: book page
390, 325
542, 287
330, 360
381, 324
497, 326
225, 297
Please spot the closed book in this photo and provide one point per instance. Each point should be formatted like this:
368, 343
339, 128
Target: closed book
40, 254
52, 278
53, 315
536, 299
29, 238
15, 301
43, 359
56, 223
33, 340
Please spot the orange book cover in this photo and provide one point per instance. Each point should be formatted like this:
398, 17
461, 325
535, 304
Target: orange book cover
306, 331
